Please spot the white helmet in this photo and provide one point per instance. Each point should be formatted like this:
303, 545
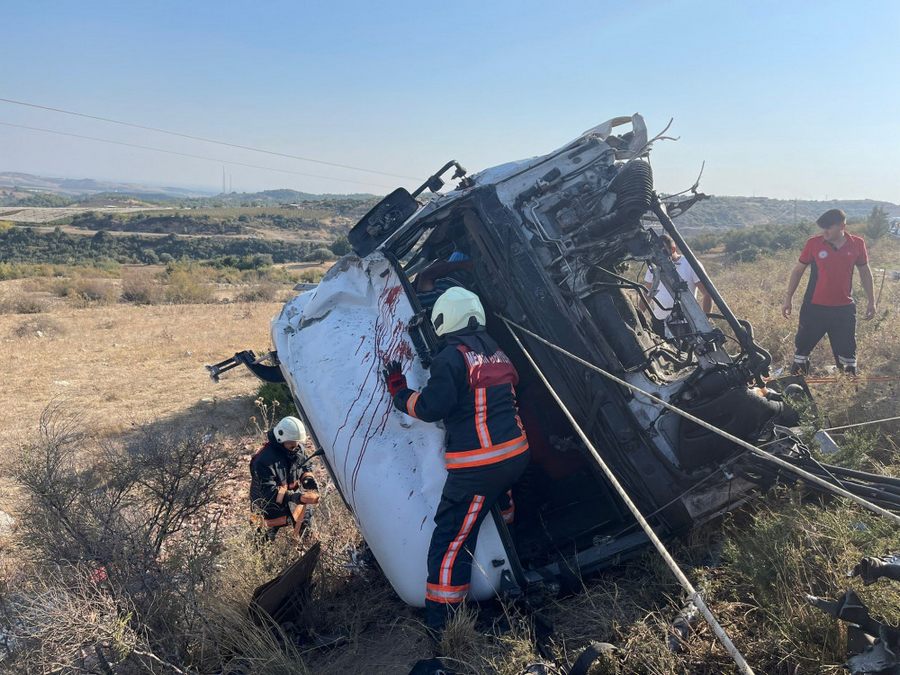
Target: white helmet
453, 310
290, 429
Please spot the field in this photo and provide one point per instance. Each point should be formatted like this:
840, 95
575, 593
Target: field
127, 373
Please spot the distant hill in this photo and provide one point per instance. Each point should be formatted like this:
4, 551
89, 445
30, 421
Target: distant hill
730, 212
27, 182
22, 189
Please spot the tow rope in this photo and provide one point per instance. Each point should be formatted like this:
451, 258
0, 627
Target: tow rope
695, 596
851, 379
862, 424
762, 454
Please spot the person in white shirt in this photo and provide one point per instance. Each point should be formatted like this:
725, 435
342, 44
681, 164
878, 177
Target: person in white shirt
662, 307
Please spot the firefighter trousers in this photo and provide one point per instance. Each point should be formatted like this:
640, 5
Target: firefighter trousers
467, 499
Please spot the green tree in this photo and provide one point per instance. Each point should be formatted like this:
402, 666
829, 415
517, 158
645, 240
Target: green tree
341, 246
877, 224
319, 255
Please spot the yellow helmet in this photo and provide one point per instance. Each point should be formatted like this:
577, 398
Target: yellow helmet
454, 310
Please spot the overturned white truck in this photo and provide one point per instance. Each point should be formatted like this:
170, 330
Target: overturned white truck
549, 242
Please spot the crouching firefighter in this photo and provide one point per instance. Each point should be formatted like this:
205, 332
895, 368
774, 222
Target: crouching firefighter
280, 489
470, 388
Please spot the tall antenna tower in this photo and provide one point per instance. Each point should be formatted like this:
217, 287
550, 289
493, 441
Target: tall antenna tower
223, 180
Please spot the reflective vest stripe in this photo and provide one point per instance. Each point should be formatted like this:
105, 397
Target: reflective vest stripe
282, 492
446, 594
446, 569
280, 521
411, 404
484, 436
485, 456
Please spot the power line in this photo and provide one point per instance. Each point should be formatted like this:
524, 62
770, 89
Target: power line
185, 154
201, 138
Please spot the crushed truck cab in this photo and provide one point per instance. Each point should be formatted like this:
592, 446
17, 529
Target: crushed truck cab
555, 245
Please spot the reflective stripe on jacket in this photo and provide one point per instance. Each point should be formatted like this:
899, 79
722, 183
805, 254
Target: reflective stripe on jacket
472, 389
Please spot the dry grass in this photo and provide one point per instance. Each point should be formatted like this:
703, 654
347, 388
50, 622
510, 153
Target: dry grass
128, 367
755, 291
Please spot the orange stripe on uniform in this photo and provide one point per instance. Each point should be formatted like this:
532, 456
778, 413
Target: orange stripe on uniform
411, 404
484, 436
446, 595
484, 456
446, 569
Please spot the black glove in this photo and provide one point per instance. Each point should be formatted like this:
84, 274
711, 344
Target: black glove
394, 377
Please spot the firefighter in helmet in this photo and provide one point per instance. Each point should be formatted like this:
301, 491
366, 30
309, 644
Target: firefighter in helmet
470, 388
280, 488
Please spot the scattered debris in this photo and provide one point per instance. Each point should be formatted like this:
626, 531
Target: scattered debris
870, 569
680, 629
875, 646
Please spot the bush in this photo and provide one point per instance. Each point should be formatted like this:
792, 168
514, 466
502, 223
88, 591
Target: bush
21, 303
341, 246
141, 288
186, 286
39, 327
86, 292
319, 255
277, 398
120, 544
877, 224
264, 292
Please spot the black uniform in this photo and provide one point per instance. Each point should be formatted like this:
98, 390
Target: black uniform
472, 389
276, 478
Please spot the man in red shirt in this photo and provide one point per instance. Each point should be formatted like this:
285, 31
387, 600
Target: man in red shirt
827, 305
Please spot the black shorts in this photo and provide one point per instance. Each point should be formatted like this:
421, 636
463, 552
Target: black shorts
839, 323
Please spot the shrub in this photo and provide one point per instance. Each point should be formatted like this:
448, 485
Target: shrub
321, 254
186, 286
122, 538
264, 292
21, 303
84, 292
341, 246
141, 288
39, 327
877, 224
275, 398
311, 276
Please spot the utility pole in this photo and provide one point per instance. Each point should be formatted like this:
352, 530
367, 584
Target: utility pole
223, 180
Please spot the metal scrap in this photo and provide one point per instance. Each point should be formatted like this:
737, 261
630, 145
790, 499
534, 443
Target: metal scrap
877, 644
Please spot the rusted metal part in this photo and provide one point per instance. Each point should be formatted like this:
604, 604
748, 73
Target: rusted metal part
282, 599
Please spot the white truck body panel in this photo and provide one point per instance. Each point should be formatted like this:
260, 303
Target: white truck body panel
331, 342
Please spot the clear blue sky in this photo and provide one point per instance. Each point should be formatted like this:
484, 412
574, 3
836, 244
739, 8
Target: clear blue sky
782, 99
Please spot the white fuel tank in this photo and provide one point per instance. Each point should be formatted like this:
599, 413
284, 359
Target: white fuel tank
332, 342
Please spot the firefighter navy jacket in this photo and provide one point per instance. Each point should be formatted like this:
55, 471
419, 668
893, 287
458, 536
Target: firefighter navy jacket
273, 471
472, 389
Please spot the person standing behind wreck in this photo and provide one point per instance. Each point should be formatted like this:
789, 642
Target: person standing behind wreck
471, 388
662, 301
279, 487
828, 306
